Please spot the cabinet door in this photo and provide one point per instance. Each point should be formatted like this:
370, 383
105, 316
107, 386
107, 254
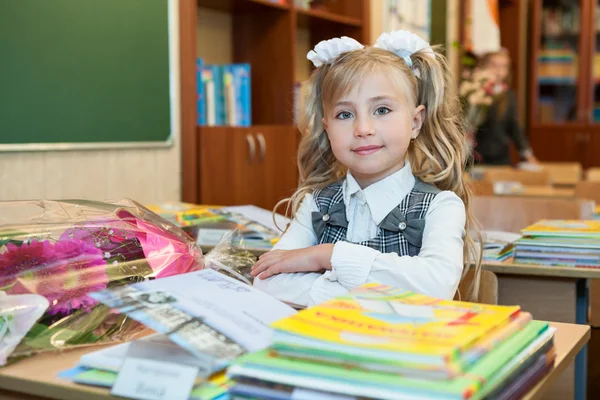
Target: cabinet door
230, 171
555, 145
277, 147
592, 150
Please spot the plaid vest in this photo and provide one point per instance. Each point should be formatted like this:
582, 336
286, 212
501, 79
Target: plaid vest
401, 231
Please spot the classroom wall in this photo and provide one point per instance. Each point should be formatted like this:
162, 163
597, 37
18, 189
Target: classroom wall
146, 175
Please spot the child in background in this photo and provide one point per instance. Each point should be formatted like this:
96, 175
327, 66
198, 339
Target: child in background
501, 126
381, 160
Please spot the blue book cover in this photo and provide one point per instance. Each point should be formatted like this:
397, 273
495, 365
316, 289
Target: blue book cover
200, 102
217, 106
237, 88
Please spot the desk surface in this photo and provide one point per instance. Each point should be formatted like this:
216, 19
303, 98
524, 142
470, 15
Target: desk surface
509, 267
569, 340
37, 375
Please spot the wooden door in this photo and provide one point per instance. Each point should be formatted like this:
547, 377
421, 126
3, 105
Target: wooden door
277, 154
230, 170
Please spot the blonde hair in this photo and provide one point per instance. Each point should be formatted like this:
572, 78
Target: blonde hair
438, 155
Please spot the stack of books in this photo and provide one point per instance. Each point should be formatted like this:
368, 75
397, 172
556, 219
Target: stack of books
572, 243
386, 343
498, 246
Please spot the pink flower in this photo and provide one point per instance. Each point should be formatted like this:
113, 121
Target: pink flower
166, 252
63, 272
19, 260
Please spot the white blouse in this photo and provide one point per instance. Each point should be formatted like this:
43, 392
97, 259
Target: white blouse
436, 271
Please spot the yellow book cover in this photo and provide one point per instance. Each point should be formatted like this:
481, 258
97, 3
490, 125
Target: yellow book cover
564, 227
381, 318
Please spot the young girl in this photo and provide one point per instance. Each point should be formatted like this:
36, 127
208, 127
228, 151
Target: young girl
501, 127
382, 196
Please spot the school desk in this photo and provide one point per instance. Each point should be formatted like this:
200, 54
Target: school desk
35, 377
558, 294
543, 191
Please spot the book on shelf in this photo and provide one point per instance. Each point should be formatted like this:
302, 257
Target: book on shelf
224, 94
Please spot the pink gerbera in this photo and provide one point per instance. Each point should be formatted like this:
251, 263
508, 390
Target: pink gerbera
19, 260
63, 272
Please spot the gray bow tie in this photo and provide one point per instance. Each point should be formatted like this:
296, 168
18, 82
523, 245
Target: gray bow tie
336, 216
412, 230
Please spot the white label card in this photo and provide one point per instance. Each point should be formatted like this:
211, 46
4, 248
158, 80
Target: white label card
145, 379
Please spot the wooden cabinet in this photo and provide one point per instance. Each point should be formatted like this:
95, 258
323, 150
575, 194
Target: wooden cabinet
254, 165
564, 93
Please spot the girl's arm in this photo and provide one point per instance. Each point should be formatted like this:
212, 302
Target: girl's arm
436, 271
301, 288
514, 129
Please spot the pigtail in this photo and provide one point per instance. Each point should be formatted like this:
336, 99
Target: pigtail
317, 166
440, 152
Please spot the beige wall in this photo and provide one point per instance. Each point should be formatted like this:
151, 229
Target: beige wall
146, 175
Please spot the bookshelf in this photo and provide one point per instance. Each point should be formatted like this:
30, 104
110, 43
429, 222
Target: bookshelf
564, 93
253, 165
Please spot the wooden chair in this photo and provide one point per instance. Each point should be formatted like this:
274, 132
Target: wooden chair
488, 288
513, 175
565, 173
593, 174
511, 214
588, 190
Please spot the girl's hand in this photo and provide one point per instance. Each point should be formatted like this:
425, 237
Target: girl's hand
310, 259
531, 159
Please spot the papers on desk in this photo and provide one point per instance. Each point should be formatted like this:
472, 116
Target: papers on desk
254, 226
211, 315
204, 319
508, 187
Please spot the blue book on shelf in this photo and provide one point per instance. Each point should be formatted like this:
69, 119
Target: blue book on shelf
200, 102
215, 98
236, 79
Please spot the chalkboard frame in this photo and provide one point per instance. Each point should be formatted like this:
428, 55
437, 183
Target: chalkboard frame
174, 106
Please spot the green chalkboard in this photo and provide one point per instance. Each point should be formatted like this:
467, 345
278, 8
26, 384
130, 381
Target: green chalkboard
84, 72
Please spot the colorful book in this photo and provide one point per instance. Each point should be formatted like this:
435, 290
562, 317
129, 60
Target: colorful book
237, 88
212, 78
564, 228
269, 366
378, 324
201, 100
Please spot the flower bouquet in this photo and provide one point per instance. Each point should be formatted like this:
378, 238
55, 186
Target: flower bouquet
61, 251
477, 91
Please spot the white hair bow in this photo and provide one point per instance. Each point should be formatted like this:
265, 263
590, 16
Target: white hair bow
327, 50
403, 44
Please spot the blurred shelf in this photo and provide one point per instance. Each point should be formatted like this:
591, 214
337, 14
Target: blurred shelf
306, 16
556, 81
241, 5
